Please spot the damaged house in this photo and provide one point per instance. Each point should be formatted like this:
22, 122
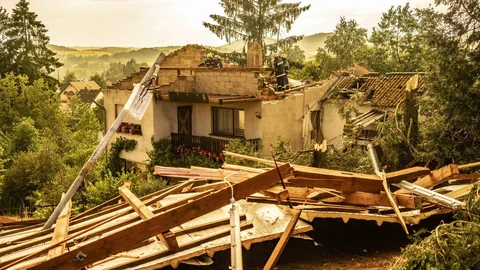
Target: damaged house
208, 107
359, 102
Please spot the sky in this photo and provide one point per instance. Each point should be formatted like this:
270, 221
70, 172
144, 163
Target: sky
152, 23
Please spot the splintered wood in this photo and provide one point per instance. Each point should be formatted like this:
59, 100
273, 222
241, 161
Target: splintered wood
191, 218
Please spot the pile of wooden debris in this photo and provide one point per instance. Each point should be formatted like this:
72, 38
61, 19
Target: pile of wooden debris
189, 222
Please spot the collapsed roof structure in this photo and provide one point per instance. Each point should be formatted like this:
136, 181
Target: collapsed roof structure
189, 222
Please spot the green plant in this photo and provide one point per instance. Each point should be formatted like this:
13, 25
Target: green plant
120, 144
449, 246
243, 148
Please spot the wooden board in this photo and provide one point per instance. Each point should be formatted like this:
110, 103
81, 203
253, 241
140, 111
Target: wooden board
277, 252
61, 231
137, 233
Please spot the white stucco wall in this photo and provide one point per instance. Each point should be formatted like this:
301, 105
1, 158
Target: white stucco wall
285, 117
166, 118
139, 154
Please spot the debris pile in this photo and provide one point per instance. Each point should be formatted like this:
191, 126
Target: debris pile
189, 222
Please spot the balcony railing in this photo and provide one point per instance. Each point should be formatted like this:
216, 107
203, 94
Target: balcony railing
213, 145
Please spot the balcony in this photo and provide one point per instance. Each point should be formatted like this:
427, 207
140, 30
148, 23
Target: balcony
205, 143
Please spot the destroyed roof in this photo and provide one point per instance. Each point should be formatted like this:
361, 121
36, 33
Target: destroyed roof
380, 90
388, 90
85, 85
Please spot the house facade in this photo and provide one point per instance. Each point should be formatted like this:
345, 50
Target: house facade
88, 92
208, 107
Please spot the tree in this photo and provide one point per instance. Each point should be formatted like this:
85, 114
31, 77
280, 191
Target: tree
254, 20
26, 46
22, 99
67, 79
115, 72
451, 129
24, 136
397, 44
131, 67
3, 29
346, 41
99, 79
294, 54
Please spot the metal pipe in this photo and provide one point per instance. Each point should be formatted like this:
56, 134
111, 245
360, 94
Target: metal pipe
415, 189
101, 146
431, 195
236, 241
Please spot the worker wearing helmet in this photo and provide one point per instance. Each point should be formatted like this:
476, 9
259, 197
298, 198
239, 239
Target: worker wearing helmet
279, 67
218, 61
209, 62
287, 67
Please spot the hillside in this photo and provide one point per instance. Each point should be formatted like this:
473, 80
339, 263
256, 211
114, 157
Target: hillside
86, 61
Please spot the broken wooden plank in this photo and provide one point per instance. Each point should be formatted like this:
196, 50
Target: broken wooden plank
435, 177
406, 174
277, 193
61, 231
143, 211
375, 199
214, 186
277, 252
135, 234
340, 185
394, 204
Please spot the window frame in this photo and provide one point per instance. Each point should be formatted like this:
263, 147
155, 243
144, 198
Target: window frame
224, 134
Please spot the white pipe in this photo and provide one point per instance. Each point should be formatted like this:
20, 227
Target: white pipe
236, 241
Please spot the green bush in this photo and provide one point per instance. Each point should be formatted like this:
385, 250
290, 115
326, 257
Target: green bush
455, 245
243, 148
162, 155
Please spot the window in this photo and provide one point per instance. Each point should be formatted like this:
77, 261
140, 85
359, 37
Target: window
368, 134
118, 109
230, 122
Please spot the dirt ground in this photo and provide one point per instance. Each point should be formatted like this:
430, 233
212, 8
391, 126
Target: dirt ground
4, 220
355, 245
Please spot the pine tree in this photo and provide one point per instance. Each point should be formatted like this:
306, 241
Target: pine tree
254, 20
26, 45
3, 28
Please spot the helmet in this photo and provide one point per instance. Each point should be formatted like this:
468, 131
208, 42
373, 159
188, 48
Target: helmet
275, 54
217, 56
209, 55
284, 56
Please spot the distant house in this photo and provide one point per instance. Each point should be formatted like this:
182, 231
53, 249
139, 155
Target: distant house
88, 91
377, 98
208, 107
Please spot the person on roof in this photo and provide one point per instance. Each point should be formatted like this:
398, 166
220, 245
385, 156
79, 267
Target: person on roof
279, 67
209, 62
287, 67
218, 61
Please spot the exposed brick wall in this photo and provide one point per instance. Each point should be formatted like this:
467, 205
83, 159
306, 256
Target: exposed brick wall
189, 56
228, 82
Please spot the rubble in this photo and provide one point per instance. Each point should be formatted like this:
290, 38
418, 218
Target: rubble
190, 220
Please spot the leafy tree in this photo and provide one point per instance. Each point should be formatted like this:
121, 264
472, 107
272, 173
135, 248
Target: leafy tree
25, 136
451, 129
22, 99
294, 54
67, 79
346, 41
254, 20
131, 67
29, 171
115, 72
26, 45
99, 79
397, 44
